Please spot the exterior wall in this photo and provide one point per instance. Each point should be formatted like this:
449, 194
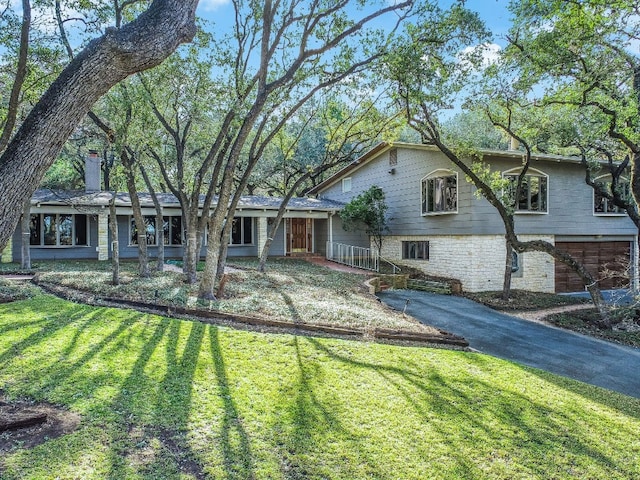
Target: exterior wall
477, 261
321, 236
103, 247
278, 245
403, 189
570, 201
340, 235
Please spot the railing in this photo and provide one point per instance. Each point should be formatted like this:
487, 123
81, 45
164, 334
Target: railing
358, 257
396, 268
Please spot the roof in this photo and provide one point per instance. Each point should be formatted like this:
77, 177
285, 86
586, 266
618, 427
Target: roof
382, 147
100, 199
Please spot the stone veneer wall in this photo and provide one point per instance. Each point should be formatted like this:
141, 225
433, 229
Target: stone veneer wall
262, 230
103, 236
7, 253
477, 261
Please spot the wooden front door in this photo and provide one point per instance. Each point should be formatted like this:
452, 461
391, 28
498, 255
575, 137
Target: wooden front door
299, 235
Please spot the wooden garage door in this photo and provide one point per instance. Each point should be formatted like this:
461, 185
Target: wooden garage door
597, 256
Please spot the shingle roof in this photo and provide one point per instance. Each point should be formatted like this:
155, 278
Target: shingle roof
98, 199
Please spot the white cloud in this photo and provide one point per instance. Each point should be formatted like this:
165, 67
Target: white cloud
489, 52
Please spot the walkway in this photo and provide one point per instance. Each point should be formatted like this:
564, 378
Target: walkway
323, 262
537, 345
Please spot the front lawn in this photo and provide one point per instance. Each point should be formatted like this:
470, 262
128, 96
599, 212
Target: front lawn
170, 399
292, 290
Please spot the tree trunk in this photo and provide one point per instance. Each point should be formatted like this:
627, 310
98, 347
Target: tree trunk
191, 251
20, 75
159, 220
224, 248
139, 45
25, 257
138, 218
159, 235
115, 244
508, 271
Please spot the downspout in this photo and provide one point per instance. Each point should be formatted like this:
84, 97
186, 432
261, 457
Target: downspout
635, 282
329, 253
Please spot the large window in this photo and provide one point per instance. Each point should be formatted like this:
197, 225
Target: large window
242, 231
171, 230
416, 250
601, 204
533, 192
58, 230
440, 192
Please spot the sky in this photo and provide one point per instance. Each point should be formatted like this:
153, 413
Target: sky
493, 12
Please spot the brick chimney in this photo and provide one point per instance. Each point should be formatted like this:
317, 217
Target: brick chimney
92, 172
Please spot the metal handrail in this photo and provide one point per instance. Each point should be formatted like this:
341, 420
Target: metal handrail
353, 256
396, 268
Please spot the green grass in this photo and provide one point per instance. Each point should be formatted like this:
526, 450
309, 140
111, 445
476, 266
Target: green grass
169, 399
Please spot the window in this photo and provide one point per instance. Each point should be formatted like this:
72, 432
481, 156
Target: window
393, 157
516, 265
533, 191
346, 185
440, 192
515, 261
58, 230
416, 250
171, 230
242, 231
602, 205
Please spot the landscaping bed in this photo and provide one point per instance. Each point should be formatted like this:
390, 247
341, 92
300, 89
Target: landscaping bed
565, 311
293, 294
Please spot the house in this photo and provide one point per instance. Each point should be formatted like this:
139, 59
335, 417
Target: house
68, 225
439, 224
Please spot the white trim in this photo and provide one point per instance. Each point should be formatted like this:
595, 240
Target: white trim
347, 184
593, 199
532, 172
439, 173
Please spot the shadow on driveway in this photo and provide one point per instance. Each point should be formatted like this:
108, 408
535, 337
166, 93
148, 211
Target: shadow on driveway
583, 358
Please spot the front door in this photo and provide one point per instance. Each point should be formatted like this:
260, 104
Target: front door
299, 231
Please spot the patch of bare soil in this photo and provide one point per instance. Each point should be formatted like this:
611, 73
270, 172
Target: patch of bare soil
48, 421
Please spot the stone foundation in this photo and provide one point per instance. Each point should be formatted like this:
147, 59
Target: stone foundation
477, 261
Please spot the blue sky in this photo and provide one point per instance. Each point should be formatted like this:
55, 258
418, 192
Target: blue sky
493, 12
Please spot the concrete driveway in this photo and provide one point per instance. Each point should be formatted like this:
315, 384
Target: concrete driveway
558, 351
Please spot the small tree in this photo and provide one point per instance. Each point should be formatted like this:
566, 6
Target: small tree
368, 209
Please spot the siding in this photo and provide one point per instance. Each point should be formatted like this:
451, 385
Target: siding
570, 205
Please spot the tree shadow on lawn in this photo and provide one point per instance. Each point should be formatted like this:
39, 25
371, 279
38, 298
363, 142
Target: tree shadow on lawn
234, 439
487, 418
306, 422
152, 416
629, 406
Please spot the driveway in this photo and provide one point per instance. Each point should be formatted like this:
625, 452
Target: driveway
552, 349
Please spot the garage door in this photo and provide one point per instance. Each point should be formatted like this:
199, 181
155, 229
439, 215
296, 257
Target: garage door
597, 257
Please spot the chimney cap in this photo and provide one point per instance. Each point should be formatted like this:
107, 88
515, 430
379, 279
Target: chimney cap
93, 153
